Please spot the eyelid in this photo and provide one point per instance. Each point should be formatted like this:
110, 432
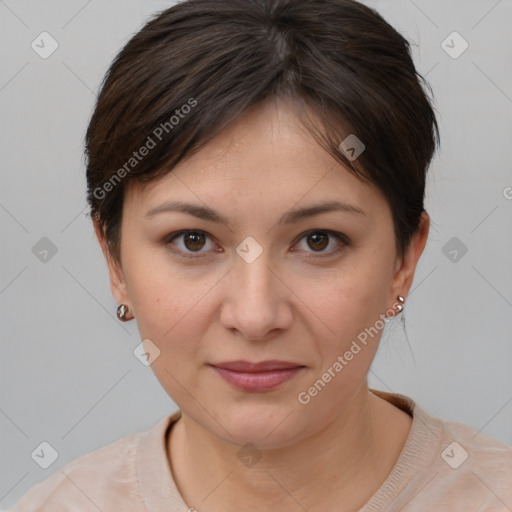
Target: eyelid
190, 255
340, 237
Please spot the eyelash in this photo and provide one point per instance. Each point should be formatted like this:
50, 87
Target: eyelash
340, 237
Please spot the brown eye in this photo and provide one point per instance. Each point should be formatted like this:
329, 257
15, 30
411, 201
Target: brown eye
186, 243
317, 243
194, 240
318, 240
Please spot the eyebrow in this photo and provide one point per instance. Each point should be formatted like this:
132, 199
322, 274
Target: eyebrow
290, 217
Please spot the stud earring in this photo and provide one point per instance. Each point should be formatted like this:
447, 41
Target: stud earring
122, 310
400, 306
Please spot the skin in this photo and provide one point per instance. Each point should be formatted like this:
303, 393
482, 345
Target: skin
290, 304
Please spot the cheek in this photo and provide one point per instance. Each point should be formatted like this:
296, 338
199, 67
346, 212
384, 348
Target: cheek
351, 307
172, 307
351, 326
348, 301
160, 294
169, 316
175, 321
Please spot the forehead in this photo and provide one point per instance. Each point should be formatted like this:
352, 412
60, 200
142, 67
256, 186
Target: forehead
265, 158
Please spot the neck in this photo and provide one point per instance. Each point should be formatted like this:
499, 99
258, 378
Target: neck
342, 465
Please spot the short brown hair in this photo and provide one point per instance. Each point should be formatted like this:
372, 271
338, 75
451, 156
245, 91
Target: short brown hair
196, 66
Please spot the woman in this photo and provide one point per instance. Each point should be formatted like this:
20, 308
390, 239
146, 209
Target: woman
256, 175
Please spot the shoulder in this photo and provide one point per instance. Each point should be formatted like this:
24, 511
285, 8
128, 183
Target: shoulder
104, 476
457, 440
446, 466
468, 467
468, 448
464, 444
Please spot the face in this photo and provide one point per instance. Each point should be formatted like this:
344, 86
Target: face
262, 283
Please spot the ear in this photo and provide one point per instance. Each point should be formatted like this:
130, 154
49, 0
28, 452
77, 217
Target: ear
117, 283
404, 275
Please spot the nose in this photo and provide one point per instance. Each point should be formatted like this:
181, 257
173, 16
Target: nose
256, 300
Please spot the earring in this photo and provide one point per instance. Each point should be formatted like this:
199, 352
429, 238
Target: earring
121, 313
400, 306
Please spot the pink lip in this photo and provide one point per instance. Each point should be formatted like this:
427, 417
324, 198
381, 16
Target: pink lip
262, 376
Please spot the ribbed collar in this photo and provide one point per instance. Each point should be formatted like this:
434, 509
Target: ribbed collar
160, 493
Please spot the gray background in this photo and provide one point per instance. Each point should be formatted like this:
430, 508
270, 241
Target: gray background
68, 374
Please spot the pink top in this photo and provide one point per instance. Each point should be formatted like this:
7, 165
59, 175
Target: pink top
444, 466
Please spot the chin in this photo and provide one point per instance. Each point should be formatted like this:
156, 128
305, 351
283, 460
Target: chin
265, 425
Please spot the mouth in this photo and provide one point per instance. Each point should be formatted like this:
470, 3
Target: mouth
257, 377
